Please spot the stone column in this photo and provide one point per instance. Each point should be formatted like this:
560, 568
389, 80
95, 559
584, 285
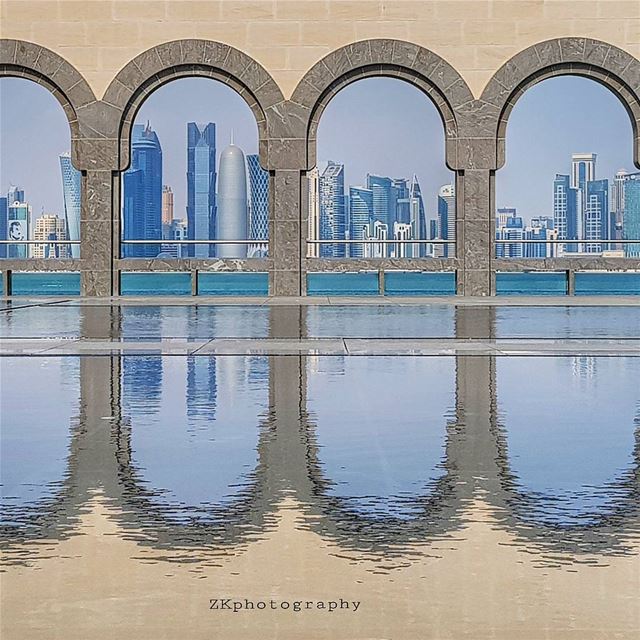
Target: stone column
474, 227
285, 234
96, 234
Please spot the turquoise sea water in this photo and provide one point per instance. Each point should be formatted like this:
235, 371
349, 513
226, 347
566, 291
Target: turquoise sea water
397, 283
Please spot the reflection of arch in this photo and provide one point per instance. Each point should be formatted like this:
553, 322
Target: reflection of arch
523, 512
476, 462
189, 58
31, 61
381, 57
614, 68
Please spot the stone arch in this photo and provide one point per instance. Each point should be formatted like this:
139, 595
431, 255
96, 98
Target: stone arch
612, 67
406, 61
33, 62
188, 58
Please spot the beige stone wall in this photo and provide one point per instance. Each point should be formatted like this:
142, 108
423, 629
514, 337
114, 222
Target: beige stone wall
288, 36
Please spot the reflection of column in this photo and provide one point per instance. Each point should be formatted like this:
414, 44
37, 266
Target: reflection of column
474, 453
284, 234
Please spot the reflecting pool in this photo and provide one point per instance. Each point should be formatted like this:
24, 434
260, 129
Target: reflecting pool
453, 495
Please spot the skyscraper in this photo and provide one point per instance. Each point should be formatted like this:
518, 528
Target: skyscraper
167, 211
596, 214
258, 206
15, 194
232, 203
18, 227
617, 204
447, 219
565, 211
418, 220
631, 226
142, 210
49, 227
360, 217
583, 169
71, 186
201, 187
384, 204
332, 211
313, 212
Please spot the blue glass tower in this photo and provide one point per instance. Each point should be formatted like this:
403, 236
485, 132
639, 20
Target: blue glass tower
332, 210
565, 210
71, 193
258, 206
142, 210
360, 217
631, 224
201, 187
384, 203
596, 213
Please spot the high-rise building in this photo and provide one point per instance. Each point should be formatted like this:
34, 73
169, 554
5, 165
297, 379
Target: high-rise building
583, 169
201, 187
4, 214
446, 220
631, 226
417, 219
596, 214
71, 186
15, 194
18, 227
402, 232
379, 231
384, 203
231, 218
332, 210
617, 204
400, 196
360, 217
313, 212
513, 230
49, 227
142, 210
258, 207
167, 211
565, 212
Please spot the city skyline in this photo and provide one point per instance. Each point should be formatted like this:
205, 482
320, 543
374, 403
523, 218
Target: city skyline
385, 94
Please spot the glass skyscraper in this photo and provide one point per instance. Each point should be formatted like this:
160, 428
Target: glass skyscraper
360, 217
565, 210
384, 204
418, 220
596, 214
142, 210
332, 210
231, 219
258, 206
631, 225
201, 187
447, 219
71, 185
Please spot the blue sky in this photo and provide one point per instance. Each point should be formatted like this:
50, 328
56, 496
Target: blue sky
377, 125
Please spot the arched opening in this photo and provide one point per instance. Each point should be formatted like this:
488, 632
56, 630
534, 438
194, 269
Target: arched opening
381, 188
194, 188
40, 189
569, 188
